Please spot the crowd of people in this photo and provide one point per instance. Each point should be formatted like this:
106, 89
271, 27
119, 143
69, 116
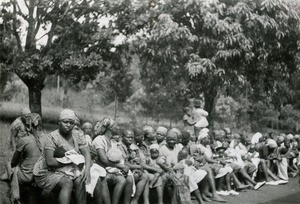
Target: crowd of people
105, 162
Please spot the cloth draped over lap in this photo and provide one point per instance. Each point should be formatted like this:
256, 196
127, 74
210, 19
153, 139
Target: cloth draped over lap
73, 170
47, 178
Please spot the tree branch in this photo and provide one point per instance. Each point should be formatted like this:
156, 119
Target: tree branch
20, 12
26, 4
16, 34
38, 18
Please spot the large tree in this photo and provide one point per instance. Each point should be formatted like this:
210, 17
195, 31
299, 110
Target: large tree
193, 47
51, 37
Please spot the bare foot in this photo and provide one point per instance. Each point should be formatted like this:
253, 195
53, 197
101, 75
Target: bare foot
206, 199
218, 199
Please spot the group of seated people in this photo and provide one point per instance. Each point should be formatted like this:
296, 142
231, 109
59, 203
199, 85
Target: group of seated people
108, 164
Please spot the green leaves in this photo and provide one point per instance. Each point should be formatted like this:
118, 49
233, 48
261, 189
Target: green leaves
197, 65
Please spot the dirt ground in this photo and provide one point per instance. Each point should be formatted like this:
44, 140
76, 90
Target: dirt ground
282, 194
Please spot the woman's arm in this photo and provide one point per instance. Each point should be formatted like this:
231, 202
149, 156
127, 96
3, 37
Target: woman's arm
133, 166
16, 158
103, 158
151, 169
85, 151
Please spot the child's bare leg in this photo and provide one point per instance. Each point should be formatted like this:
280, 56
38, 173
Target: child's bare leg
204, 188
227, 179
160, 193
246, 176
265, 169
198, 196
273, 176
211, 180
154, 180
146, 193
220, 182
238, 184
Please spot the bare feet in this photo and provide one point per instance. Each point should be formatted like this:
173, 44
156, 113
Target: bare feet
206, 199
217, 198
243, 187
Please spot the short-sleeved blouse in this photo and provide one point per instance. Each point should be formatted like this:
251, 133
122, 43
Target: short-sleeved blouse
55, 139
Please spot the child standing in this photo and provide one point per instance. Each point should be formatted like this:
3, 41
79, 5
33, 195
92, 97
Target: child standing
180, 182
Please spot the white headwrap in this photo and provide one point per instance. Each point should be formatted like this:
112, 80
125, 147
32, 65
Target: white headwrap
203, 133
154, 146
67, 114
255, 138
25, 111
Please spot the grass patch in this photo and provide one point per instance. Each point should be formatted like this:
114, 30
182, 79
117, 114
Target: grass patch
4, 142
10, 111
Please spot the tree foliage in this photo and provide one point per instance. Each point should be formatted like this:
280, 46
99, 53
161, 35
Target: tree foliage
189, 47
50, 37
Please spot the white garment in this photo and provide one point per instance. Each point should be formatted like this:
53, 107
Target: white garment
195, 176
96, 171
283, 169
170, 154
200, 116
255, 138
224, 171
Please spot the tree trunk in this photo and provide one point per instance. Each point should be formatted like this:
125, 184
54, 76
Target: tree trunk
116, 106
210, 103
35, 98
35, 87
3, 80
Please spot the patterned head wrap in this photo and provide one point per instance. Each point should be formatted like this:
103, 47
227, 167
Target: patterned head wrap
102, 126
25, 111
162, 130
290, 136
68, 114
177, 131
148, 129
87, 125
32, 120
154, 146
172, 133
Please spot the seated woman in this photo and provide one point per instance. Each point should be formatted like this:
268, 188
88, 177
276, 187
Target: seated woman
104, 131
47, 172
28, 150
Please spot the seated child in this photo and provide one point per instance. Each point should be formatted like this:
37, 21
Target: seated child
134, 158
154, 161
180, 182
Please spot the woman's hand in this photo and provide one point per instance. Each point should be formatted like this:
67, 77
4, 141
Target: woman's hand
86, 176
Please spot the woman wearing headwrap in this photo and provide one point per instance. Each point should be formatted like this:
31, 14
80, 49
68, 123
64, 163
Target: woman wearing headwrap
18, 129
28, 150
47, 170
104, 130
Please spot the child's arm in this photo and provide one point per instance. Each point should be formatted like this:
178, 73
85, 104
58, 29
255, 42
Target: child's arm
186, 181
163, 165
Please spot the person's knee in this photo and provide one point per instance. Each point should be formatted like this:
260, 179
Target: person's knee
67, 184
144, 177
129, 180
120, 180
